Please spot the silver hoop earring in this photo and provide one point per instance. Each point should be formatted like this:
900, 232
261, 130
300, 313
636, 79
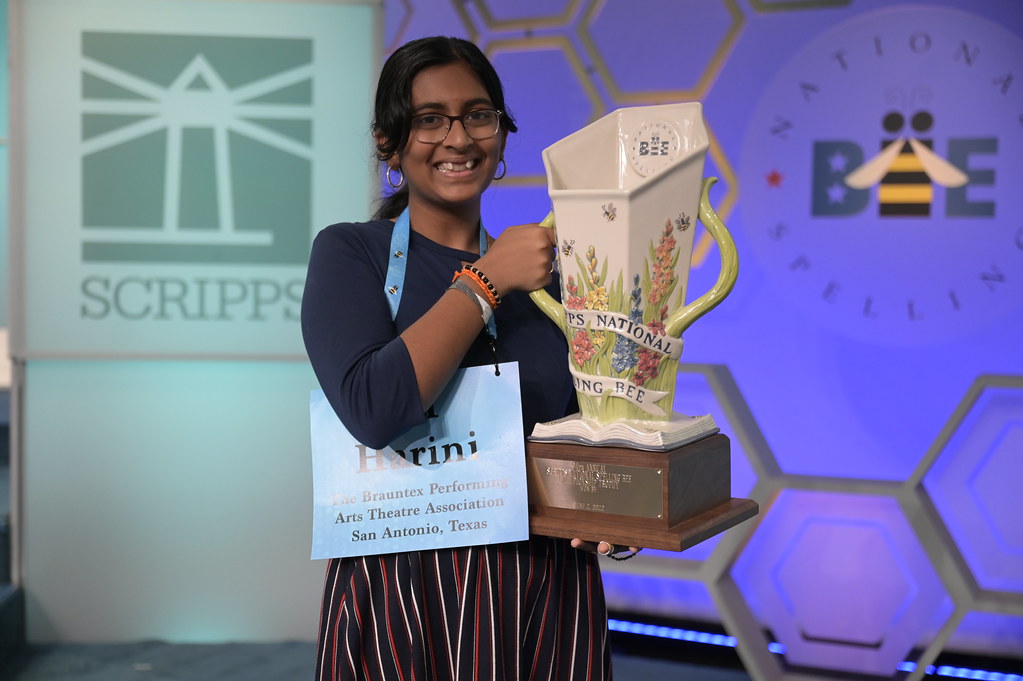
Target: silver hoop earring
401, 179
503, 171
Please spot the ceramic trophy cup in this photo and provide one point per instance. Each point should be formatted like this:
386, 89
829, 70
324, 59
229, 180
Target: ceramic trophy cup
627, 191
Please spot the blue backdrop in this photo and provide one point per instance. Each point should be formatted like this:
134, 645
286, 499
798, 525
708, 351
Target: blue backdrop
868, 364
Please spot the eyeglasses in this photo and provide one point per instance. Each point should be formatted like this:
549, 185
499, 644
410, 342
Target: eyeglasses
433, 128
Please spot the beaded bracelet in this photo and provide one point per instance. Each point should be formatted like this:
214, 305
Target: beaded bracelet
484, 283
481, 280
484, 306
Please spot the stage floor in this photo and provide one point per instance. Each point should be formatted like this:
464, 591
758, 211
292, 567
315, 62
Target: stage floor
252, 662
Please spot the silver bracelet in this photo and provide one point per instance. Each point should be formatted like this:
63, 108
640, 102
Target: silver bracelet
484, 307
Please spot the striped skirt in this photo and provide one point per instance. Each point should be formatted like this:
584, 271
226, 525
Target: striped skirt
529, 610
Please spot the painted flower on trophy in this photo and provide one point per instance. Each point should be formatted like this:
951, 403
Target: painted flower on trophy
574, 300
661, 282
582, 347
597, 299
596, 296
648, 362
587, 291
623, 357
663, 271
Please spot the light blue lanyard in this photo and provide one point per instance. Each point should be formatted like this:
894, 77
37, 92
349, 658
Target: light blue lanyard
394, 282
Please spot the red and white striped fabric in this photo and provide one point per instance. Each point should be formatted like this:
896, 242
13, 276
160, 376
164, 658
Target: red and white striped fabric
529, 610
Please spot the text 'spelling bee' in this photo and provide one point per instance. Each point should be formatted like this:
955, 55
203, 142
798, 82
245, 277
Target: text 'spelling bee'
566, 246
682, 222
905, 169
610, 212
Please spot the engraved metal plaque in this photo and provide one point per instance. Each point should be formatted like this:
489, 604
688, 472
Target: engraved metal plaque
662, 500
596, 487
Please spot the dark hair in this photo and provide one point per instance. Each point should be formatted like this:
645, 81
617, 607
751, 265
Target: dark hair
393, 107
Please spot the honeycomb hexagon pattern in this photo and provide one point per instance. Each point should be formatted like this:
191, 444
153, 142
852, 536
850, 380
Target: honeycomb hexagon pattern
530, 99
626, 42
965, 483
805, 554
525, 14
794, 5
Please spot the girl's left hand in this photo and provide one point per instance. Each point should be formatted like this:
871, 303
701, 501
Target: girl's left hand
603, 548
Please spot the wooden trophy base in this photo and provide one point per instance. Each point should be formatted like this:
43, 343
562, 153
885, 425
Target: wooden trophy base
661, 500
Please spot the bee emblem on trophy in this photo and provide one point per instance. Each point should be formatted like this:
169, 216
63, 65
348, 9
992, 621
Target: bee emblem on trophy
906, 168
682, 222
566, 246
610, 212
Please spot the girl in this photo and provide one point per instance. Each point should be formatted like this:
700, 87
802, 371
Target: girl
526, 610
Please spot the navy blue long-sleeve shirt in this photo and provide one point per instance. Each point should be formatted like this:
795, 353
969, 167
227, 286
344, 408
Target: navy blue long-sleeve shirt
363, 365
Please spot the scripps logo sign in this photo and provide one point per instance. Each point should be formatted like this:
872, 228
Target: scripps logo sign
196, 152
877, 176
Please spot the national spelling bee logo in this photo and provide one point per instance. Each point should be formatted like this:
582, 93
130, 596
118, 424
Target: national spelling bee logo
877, 176
905, 172
196, 148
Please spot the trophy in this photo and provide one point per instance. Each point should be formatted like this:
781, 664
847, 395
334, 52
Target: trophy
627, 191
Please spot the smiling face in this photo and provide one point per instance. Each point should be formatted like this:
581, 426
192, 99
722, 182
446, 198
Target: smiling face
449, 176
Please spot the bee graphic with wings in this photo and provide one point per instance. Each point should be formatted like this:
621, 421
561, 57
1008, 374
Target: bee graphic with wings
906, 169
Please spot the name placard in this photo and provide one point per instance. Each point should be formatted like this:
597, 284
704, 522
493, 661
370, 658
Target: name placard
458, 480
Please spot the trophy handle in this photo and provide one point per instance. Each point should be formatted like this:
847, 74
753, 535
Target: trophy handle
544, 300
685, 317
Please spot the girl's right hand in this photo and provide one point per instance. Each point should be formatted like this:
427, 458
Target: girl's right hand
521, 259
